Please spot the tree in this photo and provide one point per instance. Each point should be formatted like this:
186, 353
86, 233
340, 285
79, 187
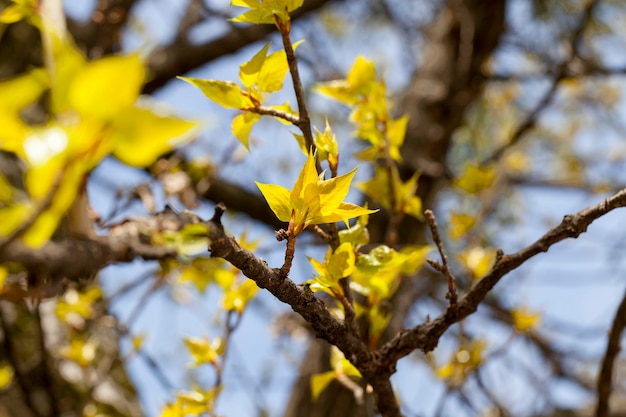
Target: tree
486, 102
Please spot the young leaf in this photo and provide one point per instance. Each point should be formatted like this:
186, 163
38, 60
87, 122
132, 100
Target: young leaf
525, 320
272, 74
140, 136
202, 351
242, 126
238, 297
312, 200
319, 382
249, 71
106, 87
478, 260
474, 179
225, 93
278, 199
265, 11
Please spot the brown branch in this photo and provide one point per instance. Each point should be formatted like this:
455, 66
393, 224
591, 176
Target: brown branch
76, 258
304, 121
268, 111
102, 35
605, 377
444, 268
426, 336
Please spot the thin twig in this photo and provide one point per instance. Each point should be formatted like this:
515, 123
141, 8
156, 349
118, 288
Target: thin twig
269, 111
605, 377
219, 366
443, 267
304, 121
561, 74
427, 335
290, 237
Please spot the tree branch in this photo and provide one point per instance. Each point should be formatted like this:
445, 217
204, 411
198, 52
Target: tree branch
605, 377
426, 336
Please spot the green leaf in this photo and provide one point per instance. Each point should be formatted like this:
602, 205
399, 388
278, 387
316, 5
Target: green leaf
225, 93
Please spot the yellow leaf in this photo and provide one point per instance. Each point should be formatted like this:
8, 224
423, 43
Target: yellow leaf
174, 409
341, 262
204, 271
516, 162
12, 216
312, 199
319, 382
67, 63
396, 131
202, 351
138, 341
225, 93
265, 11
6, 376
19, 10
237, 298
380, 187
475, 179
460, 225
339, 90
3, 276
525, 320
361, 75
272, 74
278, 199
80, 351
80, 304
478, 260
463, 362
341, 365
18, 92
140, 135
249, 71
327, 147
39, 181
338, 264
378, 321
301, 143
106, 87
242, 125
